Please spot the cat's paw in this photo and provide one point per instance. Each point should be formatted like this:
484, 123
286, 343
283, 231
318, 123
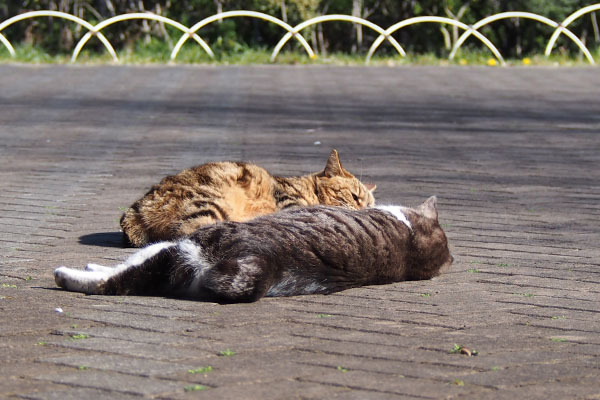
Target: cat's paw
98, 268
80, 281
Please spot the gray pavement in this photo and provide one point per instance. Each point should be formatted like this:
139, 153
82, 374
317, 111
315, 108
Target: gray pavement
513, 155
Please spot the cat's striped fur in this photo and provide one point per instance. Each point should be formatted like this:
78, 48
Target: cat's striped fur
320, 249
234, 191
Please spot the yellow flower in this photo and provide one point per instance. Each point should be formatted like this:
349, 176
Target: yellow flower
491, 62
526, 61
463, 61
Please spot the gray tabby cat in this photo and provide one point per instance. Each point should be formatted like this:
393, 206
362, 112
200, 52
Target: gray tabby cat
320, 249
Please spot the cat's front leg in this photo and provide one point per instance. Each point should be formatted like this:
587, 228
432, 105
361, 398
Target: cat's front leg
89, 282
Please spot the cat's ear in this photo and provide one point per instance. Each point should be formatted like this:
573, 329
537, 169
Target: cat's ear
370, 187
429, 208
334, 166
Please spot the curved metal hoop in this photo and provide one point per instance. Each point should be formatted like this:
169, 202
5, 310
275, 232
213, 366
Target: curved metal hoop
7, 44
519, 14
150, 16
565, 23
242, 13
442, 20
294, 31
33, 14
336, 17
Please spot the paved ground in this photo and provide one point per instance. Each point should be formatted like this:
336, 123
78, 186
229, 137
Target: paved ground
513, 155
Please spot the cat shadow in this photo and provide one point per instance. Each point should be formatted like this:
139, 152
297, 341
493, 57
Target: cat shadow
105, 239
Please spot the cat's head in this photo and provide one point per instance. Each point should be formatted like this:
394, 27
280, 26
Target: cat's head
337, 187
429, 242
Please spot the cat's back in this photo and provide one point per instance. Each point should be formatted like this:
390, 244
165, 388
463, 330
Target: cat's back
314, 236
213, 176
181, 203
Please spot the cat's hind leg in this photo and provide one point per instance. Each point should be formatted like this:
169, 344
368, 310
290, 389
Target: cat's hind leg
137, 275
89, 282
243, 279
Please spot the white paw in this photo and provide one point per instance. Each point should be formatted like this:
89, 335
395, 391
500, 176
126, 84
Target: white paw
80, 281
98, 268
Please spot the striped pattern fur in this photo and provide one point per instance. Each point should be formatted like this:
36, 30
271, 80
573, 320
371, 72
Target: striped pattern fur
234, 191
319, 249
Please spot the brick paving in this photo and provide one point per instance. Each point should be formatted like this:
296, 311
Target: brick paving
513, 155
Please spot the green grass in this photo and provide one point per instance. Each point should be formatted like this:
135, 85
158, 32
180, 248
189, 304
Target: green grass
342, 369
80, 336
194, 388
227, 353
201, 370
9, 285
457, 349
324, 315
157, 51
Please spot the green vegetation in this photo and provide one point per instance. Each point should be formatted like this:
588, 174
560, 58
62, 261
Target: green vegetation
251, 40
194, 388
201, 370
80, 336
9, 285
160, 54
458, 382
324, 315
457, 349
227, 353
425, 294
342, 369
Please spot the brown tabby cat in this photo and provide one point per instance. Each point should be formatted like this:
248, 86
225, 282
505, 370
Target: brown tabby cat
234, 191
319, 249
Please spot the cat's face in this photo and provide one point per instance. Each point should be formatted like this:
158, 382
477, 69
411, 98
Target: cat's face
338, 187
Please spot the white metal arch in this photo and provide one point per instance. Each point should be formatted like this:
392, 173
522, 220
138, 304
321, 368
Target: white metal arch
336, 17
566, 23
442, 20
70, 17
242, 13
130, 16
520, 14
7, 44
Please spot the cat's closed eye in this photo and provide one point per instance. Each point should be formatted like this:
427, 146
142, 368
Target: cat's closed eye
355, 197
